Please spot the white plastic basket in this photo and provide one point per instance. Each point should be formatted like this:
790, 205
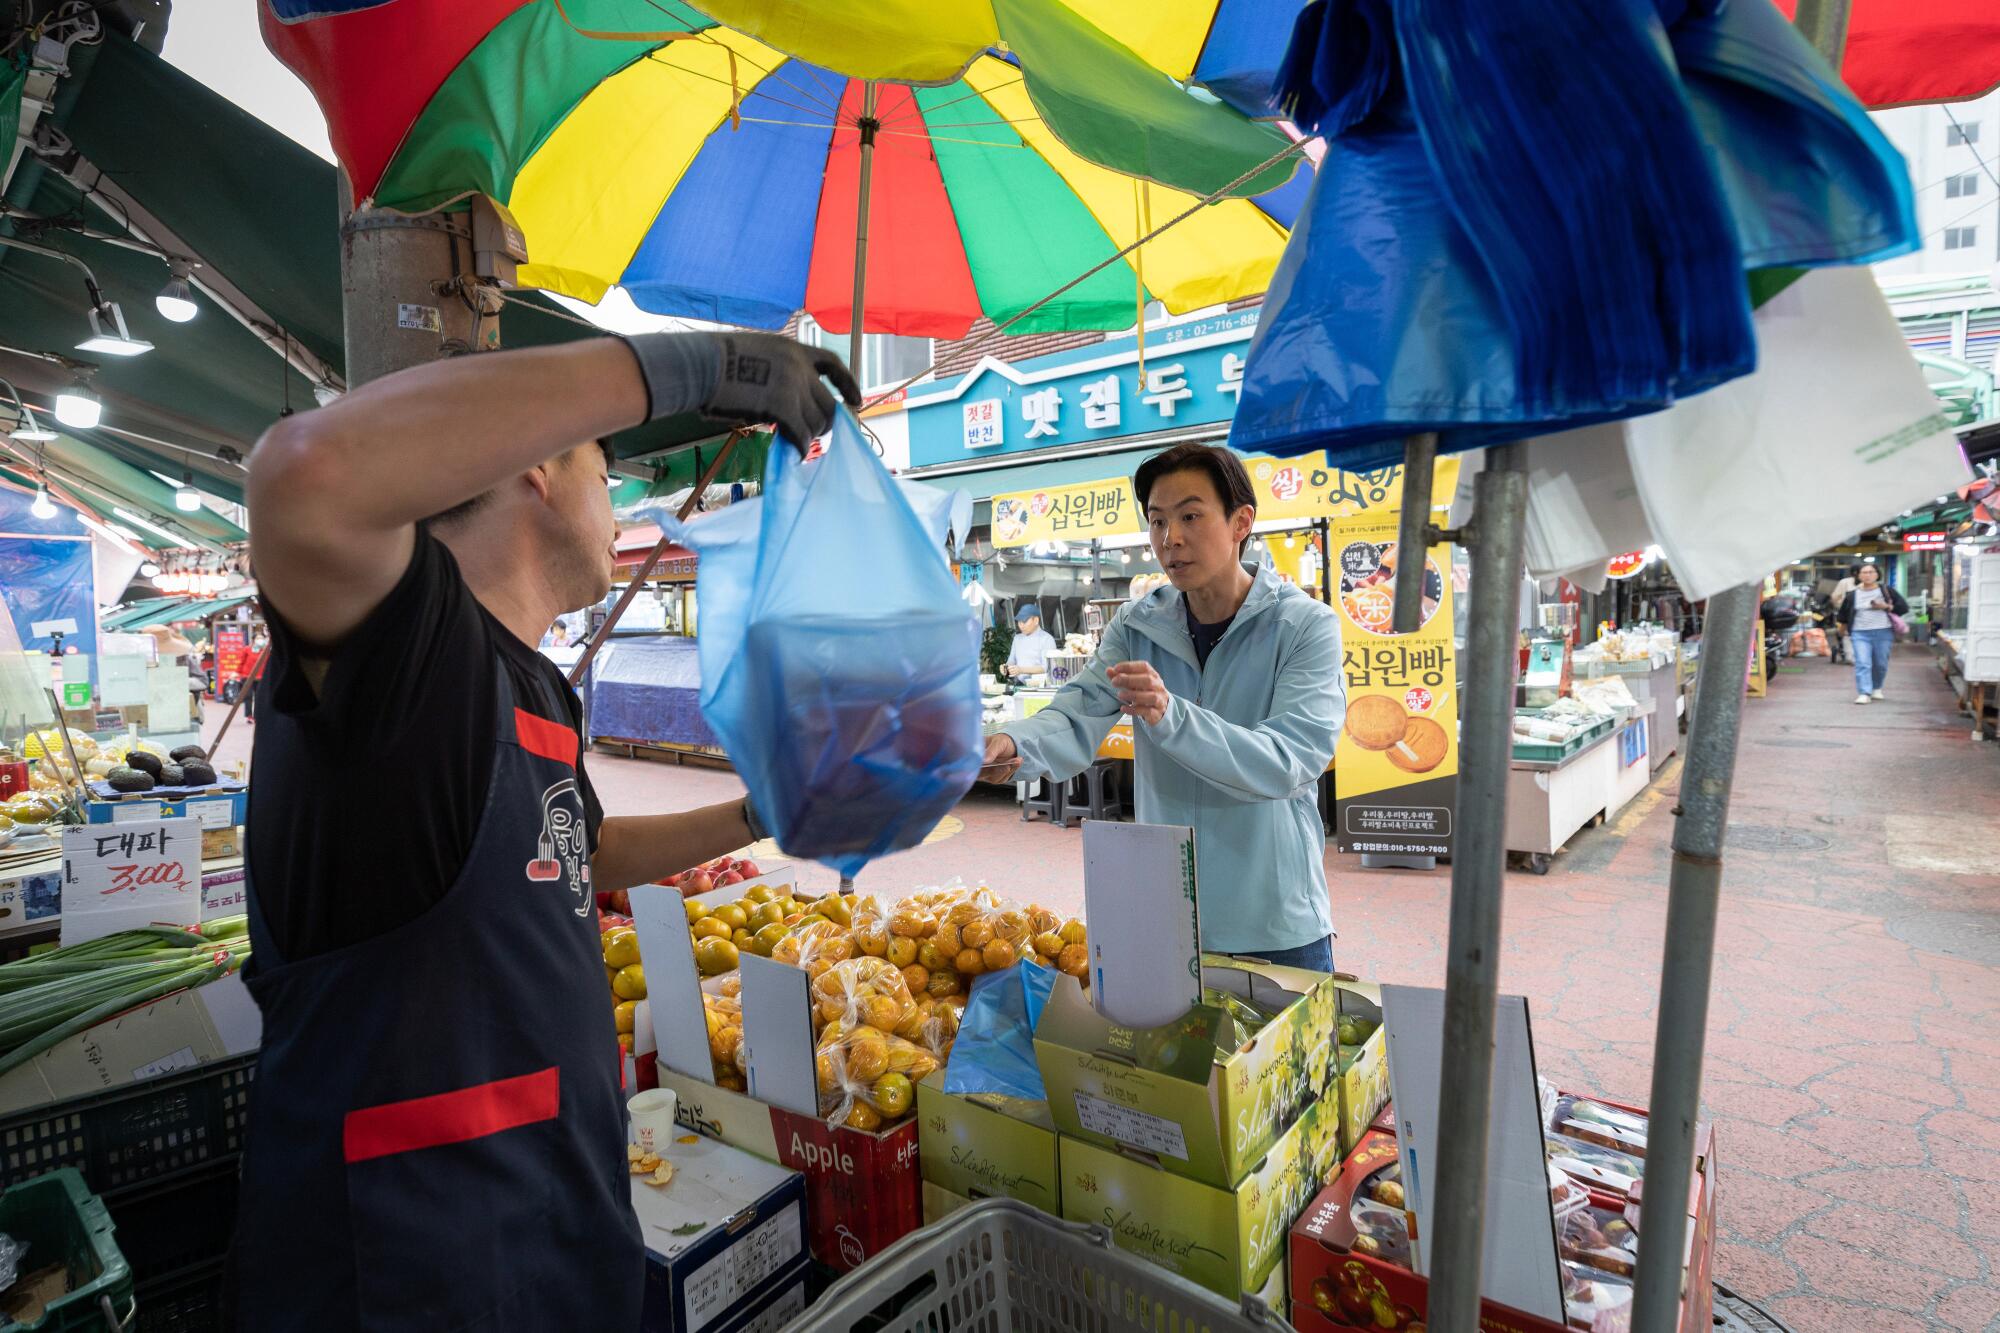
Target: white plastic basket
1001, 1265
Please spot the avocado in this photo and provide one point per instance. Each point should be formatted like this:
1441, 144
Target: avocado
197, 773
181, 754
145, 762
126, 778
173, 775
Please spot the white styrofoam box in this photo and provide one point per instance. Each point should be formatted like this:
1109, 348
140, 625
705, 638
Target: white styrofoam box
1982, 599
1979, 653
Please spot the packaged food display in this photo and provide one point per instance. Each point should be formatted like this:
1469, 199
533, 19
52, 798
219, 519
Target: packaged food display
1594, 1164
1599, 1123
1589, 1292
1600, 1238
1381, 1226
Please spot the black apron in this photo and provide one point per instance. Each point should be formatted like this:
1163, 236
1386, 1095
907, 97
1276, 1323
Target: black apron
437, 1129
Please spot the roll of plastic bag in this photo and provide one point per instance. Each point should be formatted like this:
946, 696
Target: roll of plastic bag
995, 1049
839, 667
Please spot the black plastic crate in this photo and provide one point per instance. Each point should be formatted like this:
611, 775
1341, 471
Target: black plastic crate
184, 1223
189, 1301
136, 1134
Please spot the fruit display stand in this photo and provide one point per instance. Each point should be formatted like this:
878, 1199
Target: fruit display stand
1352, 1262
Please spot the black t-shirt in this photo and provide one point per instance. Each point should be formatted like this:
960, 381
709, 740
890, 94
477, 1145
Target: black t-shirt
366, 796
1205, 636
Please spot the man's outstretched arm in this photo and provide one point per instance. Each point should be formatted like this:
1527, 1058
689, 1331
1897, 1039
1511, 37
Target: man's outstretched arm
335, 494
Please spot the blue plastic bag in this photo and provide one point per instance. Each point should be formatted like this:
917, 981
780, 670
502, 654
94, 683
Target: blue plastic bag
839, 666
995, 1047
1535, 219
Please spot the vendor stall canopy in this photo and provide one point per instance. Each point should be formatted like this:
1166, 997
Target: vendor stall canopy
132, 141
713, 169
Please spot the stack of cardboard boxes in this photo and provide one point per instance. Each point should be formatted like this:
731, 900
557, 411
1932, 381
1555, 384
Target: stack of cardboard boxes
1190, 1153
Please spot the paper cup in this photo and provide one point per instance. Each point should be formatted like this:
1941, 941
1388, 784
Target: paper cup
652, 1114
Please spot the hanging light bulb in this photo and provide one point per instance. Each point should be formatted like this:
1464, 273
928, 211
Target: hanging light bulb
1124, 557
186, 498
1291, 542
43, 507
176, 299
79, 408
149, 570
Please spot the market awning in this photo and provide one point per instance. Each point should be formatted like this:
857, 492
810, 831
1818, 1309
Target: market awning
170, 611
257, 210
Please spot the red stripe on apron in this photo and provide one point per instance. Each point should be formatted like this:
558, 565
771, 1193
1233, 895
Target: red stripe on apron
550, 740
452, 1117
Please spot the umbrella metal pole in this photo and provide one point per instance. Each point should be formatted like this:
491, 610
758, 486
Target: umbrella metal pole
1413, 532
1693, 889
868, 126
645, 570
1479, 865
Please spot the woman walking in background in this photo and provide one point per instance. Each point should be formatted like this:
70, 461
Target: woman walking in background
1868, 617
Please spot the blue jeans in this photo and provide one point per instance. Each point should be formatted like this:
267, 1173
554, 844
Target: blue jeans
1871, 657
1315, 957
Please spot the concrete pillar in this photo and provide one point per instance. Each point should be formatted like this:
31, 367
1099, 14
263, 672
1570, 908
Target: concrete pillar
399, 297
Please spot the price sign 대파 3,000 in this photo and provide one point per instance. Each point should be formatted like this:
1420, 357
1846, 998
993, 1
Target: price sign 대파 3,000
117, 876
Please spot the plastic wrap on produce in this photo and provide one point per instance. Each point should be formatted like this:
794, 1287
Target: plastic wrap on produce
839, 667
649, 690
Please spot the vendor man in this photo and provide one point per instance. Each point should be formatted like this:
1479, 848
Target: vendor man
1032, 644
1233, 682
438, 1116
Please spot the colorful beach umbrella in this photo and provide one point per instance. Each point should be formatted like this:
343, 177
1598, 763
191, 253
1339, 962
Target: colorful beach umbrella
717, 176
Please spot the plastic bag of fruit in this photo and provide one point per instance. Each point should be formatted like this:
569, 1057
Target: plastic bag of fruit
868, 1077
724, 1016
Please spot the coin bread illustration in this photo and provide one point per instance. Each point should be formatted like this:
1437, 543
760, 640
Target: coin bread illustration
1376, 721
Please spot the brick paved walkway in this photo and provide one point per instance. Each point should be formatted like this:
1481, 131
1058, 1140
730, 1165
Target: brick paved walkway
1854, 1045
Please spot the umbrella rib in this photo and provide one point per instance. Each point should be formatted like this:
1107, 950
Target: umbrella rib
946, 138
916, 110
769, 97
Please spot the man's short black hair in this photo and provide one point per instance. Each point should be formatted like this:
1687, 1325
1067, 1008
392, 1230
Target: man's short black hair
1222, 467
466, 508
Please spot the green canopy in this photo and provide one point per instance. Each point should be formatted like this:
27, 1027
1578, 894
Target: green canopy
260, 213
168, 611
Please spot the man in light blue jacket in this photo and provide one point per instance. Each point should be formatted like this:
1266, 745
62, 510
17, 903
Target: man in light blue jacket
1233, 683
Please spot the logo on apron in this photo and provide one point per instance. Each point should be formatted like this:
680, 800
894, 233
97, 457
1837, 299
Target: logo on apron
561, 850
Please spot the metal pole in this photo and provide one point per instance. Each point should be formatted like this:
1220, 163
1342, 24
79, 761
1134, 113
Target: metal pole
391, 266
868, 127
1479, 864
645, 569
1693, 888
1412, 532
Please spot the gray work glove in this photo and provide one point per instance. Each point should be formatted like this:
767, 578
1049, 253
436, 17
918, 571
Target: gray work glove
744, 379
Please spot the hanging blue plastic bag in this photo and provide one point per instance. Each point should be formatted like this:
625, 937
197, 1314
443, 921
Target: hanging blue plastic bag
839, 666
994, 1051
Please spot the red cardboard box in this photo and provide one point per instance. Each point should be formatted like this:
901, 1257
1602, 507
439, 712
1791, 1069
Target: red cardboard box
1340, 1288
864, 1191
1335, 1288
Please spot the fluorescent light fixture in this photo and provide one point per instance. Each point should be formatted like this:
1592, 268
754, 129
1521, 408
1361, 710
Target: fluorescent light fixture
118, 340
151, 526
149, 570
176, 299
325, 394
78, 408
29, 430
43, 507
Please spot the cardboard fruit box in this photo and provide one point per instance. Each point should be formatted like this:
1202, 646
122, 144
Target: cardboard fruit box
862, 1189
1228, 1240
1338, 1284
725, 1238
1207, 1114
987, 1146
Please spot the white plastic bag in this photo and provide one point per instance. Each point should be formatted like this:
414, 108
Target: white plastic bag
1835, 432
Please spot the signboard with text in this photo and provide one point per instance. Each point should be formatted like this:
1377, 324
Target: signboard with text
232, 653
1065, 513
1193, 376
1395, 770
118, 876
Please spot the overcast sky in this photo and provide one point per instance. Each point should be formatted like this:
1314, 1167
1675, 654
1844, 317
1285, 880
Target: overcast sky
217, 42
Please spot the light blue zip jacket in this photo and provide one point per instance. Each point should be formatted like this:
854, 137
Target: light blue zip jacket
1237, 756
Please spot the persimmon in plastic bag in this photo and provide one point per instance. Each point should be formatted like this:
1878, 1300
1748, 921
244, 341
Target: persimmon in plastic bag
840, 667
